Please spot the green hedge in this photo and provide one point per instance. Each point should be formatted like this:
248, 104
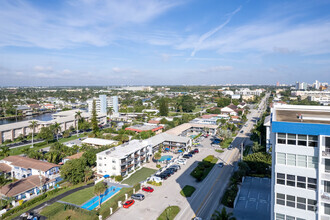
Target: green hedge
30, 202
204, 167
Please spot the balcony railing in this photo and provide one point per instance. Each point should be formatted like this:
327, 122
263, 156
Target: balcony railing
325, 196
131, 165
136, 156
123, 170
326, 152
129, 159
142, 153
142, 158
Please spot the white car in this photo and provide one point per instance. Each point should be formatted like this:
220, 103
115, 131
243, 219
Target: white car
181, 161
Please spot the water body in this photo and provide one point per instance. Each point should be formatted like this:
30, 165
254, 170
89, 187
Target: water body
43, 117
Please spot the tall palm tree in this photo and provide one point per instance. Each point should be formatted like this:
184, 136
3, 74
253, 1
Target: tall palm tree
5, 151
57, 129
33, 124
109, 111
99, 189
78, 118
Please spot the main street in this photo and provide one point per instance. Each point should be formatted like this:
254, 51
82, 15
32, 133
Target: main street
205, 200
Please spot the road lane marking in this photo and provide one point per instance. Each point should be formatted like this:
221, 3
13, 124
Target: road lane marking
231, 155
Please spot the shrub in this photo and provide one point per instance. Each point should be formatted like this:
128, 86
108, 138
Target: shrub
119, 178
154, 183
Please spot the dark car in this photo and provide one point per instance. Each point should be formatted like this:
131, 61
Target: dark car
175, 167
192, 152
172, 169
138, 196
162, 176
190, 155
186, 156
196, 150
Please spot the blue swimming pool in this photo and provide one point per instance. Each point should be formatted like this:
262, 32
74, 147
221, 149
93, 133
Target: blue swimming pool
165, 157
94, 202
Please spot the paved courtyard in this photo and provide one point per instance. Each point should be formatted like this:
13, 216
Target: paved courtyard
254, 199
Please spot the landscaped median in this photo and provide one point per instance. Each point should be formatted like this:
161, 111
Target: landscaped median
187, 191
204, 167
169, 213
225, 143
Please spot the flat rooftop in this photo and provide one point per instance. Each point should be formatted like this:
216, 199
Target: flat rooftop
302, 114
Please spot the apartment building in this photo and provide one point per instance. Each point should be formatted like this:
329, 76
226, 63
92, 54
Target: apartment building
102, 103
300, 140
129, 156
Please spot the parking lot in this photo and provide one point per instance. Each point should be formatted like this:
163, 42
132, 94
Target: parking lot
254, 199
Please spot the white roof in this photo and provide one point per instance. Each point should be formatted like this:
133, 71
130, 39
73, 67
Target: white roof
99, 141
181, 128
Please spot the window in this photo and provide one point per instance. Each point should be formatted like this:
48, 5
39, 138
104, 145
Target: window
280, 199
311, 183
326, 208
311, 205
100, 164
301, 182
327, 165
302, 140
302, 160
312, 162
292, 139
280, 216
291, 159
114, 168
113, 161
327, 142
100, 158
105, 164
281, 138
290, 201
312, 140
281, 158
327, 186
288, 217
300, 219
301, 203
100, 171
290, 180
281, 178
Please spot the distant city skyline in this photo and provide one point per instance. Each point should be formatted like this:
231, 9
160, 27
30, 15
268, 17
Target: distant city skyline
174, 42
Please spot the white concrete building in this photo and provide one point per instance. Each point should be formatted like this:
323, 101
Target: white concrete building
300, 140
129, 156
102, 103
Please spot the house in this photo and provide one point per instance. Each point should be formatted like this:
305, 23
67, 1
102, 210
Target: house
97, 142
232, 110
22, 167
49, 106
241, 105
72, 157
27, 187
145, 127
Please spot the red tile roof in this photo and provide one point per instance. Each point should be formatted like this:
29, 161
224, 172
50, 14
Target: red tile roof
26, 162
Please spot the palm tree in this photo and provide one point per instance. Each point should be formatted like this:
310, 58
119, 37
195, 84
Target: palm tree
5, 151
109, 111
223, 215
33, 124
88, 173
78, 118
57, 129
99, 189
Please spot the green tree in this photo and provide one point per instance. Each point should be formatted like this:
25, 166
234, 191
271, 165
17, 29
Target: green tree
54, 156
5, 150
163, 107
88, 173
222, 102
46, 134
99, 189
57, 129
78, 118
73, 171
33, 124
109, 111
66, 134
223, 215
95, 126
187, 104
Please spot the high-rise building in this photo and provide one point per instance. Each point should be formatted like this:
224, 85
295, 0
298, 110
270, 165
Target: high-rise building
300, 140
102, 103
278, 84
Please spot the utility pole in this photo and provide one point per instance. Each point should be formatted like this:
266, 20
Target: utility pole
242, 151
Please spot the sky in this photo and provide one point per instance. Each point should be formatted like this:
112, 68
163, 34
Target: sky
163, 42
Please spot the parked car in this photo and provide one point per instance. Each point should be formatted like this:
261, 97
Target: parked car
181, 161
171, 169
163, 176
128, 203
186, 156
177, 167
147, 189
196, 150
241, 131
230, 147
192, 152
138, 196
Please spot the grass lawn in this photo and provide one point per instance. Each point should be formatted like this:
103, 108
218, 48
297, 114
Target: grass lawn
169, 213
187, 191
219, 151
56, 211
139, 176
80, 197
226, 143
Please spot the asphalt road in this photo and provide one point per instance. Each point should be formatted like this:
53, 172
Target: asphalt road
205, 200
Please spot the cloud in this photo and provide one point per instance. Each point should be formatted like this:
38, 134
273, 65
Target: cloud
213, 31
43, 68
91, 22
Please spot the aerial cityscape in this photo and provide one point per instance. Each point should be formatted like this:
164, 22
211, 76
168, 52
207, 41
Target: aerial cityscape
165, 110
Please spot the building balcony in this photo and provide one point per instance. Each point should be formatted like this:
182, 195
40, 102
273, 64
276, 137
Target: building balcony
123, 164
54, 176
129, 159
142, 153
325, 196
326, 153
130, 165
136, 156
142, 158
123, 170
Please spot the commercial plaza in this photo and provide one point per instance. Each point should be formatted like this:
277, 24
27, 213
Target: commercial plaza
299, 137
